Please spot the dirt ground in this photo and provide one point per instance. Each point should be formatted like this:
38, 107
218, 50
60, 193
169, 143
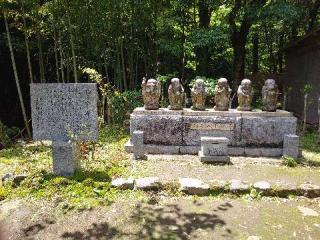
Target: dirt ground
170, 167
165, 218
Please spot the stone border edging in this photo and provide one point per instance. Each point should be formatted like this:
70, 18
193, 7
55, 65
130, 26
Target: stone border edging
193, 186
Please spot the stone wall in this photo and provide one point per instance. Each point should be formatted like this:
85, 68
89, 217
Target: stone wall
256, 129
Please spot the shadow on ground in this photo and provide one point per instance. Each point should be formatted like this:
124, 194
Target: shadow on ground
160, 222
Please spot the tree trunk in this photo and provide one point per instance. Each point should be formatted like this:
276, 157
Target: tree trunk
203, 52
280, 52
305, 113
255, 53
41, 64
75, 73
16, 77
125, 84
239, 48
56, 55
61, 57
27, 48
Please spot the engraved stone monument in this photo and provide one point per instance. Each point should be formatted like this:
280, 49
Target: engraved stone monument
270, 96
245, 94
198, 94
222, 95
214, 150
151, 91
64, 114
176, 95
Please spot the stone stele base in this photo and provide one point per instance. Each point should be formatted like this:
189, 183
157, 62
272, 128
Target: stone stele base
65, 158
179, 132
213, 159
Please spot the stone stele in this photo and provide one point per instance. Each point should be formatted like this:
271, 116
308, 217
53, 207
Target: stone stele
222, 95
176, 95
198, 94
64, 114
64, 111
270, 96
245, 93
151, 91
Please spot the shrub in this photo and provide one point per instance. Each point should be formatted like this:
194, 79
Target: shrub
124, 103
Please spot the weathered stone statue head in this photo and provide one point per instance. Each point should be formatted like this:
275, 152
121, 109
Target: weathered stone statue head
270, 95
151, 91
222, 93
245, 93
176, 95
198, 95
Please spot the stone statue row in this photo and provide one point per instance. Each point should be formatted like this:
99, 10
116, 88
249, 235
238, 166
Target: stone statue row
151, 91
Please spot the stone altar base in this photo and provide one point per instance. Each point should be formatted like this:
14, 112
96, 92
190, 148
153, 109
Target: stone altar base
65, 158
179, 132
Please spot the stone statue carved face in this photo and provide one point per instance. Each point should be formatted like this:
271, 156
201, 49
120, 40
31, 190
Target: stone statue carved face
151, 85
246, 84
175, 82
199, 84
223, 83
270, 84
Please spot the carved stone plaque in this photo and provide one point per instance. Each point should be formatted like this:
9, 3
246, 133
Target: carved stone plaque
64, 111
212, 126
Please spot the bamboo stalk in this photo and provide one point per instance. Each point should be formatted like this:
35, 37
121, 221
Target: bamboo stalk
16, 77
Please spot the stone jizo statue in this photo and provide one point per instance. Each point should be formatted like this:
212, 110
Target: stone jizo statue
151, 91
176, 95
270, 94
222, 95
198, 94
245, 93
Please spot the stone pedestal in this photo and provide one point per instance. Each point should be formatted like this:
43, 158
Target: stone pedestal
214, 149
137, 141
179, 132
65, 158
291, 146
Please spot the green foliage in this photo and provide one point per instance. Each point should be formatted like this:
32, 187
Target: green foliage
310, 141
307, 89
289, 161
124, 103
210, 84
4, 137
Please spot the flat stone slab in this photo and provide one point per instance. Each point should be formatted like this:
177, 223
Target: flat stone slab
147, 183
193, 186
61, 111
122, 183
238, 186
262, 185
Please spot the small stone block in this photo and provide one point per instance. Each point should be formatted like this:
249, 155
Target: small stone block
64, 155
147, 183
291, 146
138, 147
137, 138
193, 186
238, 186
213, 159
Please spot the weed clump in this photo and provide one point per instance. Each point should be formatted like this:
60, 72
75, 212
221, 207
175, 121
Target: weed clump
289, 161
